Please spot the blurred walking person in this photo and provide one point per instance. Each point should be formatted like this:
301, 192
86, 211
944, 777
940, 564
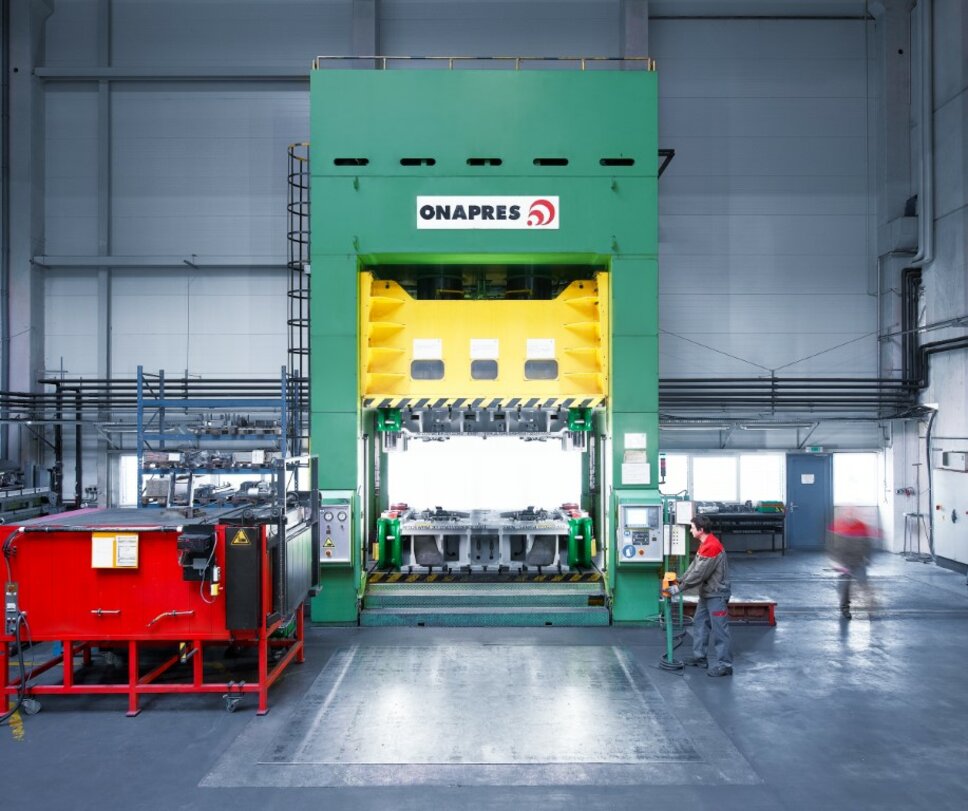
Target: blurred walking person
849, 543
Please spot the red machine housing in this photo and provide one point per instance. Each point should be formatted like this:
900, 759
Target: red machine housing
236, 596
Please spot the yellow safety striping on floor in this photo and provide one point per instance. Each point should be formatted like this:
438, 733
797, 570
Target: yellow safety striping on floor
566, 577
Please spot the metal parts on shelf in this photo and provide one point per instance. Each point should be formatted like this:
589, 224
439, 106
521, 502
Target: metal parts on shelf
181, 438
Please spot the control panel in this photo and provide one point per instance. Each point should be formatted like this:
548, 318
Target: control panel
640, 536
335, 530
11, 608
679, 544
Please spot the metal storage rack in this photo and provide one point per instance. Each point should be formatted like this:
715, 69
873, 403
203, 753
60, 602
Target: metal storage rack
188, 429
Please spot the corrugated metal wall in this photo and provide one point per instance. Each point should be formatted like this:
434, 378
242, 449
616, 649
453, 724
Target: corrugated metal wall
764, 211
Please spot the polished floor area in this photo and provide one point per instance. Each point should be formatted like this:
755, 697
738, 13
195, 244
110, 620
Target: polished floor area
820, 713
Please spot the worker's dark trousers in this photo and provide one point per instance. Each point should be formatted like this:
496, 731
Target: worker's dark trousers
847, 578
843, 586
712, 618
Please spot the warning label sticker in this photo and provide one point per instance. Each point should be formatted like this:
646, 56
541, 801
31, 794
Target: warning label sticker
240, 539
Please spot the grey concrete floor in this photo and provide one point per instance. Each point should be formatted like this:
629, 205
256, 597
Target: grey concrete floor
820, 714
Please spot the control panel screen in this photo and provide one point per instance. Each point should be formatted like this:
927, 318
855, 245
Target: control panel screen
640, 533
642, 517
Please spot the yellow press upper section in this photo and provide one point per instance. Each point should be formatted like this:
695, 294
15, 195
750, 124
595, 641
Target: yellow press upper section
567, 335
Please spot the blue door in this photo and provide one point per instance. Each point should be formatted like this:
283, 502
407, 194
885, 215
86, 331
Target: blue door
809, 495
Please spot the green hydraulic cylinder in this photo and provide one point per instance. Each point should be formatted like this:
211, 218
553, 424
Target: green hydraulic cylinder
389, 548
389, 419
581, 535
580, 419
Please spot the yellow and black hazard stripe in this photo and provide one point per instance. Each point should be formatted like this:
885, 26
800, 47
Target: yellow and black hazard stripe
493, 403
393, 577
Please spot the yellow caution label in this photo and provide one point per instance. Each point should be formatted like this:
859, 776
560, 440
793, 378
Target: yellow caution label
240, 539
329, 542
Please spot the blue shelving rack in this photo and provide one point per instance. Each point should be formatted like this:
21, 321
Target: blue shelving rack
163, 412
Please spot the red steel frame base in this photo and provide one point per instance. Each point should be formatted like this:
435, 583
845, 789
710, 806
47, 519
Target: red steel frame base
139, 684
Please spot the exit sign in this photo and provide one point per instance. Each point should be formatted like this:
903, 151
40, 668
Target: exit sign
814, 448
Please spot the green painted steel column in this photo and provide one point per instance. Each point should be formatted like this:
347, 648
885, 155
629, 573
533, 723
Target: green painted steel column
600, 129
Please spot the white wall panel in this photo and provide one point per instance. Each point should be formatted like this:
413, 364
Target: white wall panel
71, 34
71, 317
201, 169
836, 161
764, 213
723, 273
789, 40
718, 117
946, 283
742, 76
951, 56
225, 322
697, 350
951, 155
816, 236
509, 28
250, 33
949, 388
70, 182
761, 194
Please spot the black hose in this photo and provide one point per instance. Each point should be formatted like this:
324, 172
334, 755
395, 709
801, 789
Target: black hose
927, 453
22, 687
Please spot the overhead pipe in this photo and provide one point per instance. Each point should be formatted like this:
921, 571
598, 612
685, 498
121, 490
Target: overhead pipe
925, 254
4, 219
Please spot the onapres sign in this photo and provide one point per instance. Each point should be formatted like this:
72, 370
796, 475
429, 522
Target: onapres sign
459, 212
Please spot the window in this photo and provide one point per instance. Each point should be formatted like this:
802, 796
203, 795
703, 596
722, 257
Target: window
676, 474
714, 478
128, 480
761, 477
855, 479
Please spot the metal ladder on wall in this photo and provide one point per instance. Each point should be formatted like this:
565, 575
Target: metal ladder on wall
298, 298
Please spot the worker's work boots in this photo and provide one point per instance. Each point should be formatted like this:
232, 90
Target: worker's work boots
720, 670
695, 661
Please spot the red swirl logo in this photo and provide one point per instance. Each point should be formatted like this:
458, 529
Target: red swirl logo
542, 212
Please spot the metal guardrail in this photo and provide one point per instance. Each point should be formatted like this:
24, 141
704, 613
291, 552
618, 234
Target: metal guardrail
381, 62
